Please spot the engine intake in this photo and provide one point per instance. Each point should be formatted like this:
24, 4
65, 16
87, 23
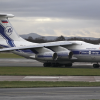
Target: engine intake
47, 56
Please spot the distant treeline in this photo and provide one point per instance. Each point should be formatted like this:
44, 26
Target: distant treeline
96, 41
62, 38
43, 40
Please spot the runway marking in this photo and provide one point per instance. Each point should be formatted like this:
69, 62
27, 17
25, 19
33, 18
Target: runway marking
39, 77
51, 78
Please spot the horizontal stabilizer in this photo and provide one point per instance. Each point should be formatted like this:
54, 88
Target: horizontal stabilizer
6, 15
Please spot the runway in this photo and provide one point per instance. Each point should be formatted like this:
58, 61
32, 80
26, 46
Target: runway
20, 62
33, 63
58, 93
51, 78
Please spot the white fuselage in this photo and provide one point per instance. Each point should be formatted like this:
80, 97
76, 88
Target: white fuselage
82, 52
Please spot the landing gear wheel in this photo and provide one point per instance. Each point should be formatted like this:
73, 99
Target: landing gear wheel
47, 64
68, 65
55, 65
95, 65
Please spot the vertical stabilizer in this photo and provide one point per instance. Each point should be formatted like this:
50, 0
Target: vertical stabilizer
7, 32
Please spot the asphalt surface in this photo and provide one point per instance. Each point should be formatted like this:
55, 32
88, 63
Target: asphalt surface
20, 62
51, 78
65, 93
34, 63
60, 93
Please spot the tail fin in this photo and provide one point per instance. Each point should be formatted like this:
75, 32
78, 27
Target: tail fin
7, 32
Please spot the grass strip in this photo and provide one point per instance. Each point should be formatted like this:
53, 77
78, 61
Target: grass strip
48, 71
9, 55
32, 84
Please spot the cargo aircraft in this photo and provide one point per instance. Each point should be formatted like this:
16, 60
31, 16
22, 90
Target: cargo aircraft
50, 54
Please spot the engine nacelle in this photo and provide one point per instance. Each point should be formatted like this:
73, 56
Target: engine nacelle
64, 55
46, 56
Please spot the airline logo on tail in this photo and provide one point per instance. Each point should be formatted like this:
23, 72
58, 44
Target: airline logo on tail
5, 33
8, 30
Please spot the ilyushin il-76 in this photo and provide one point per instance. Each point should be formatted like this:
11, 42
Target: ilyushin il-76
55, 54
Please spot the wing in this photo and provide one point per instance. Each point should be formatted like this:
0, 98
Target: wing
50, 44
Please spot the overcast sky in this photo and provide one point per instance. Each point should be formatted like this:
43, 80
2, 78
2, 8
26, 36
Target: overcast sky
54, 17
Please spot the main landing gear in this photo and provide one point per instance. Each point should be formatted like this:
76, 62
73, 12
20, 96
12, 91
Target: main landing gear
51, 65
68, 65
57, 65
96, 65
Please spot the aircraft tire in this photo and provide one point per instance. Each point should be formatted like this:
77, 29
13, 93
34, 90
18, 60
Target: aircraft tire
95, 65
68, 65
44, 65
47, 64
53, 65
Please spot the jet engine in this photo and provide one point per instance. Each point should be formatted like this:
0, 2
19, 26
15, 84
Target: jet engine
62, 52
65, 54
46, 56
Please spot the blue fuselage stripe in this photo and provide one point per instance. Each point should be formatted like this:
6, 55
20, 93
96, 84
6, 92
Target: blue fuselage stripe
86, 52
